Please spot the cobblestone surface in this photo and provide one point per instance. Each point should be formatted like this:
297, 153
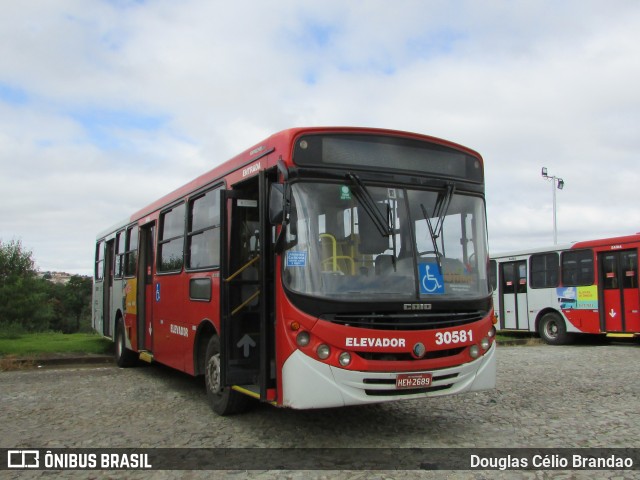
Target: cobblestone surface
555, 397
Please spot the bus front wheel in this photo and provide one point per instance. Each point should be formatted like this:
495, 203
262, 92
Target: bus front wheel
222, 400
553, 330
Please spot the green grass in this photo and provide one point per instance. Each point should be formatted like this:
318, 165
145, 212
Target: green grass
43, 344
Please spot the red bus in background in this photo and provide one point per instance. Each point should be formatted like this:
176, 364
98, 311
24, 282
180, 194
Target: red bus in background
322, 267
585, 287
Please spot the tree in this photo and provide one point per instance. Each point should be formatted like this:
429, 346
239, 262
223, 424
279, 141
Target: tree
31, 304
23, 298
15, 262
77, 301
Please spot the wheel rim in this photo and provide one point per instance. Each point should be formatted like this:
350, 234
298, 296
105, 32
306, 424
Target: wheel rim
213, 374
551, 329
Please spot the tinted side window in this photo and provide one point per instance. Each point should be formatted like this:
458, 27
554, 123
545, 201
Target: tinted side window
99, 270
493, 274
171, 240
577, 268
545, 269
119, 270
131, 251
203, 236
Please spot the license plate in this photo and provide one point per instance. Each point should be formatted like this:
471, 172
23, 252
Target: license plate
413, 380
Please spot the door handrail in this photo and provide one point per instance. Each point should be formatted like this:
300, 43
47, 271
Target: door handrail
243, 268
245, 303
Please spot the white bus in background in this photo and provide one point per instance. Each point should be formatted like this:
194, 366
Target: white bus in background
584, 287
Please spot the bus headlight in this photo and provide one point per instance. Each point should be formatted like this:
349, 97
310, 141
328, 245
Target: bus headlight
492, 332
484, 343
474, 351
303, 339
344, 359
323, 351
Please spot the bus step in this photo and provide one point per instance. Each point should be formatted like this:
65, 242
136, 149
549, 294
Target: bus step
146, 356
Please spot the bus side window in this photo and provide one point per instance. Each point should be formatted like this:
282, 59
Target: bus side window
544, 270
577, 268
131, 251
99, 270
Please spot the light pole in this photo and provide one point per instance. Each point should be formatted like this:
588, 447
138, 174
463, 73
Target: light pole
559, 183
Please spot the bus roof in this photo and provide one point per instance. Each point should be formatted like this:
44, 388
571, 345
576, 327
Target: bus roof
603, 242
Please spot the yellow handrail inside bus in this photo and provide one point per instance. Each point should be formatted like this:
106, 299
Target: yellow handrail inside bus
243, 268
245, 303
334, 250
334, 255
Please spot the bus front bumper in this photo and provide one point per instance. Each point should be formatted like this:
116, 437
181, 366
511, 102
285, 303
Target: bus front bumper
308, 383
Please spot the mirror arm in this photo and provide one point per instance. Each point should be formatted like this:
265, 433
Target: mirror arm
283, 170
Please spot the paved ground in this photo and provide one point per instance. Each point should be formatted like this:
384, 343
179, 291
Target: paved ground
555, 397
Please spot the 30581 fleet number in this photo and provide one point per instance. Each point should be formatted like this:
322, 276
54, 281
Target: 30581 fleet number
459, 336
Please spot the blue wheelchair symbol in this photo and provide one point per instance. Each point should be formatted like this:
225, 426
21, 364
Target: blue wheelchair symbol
431, 281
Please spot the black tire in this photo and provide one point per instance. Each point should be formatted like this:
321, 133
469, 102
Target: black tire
223, 401
124, 357
553, 330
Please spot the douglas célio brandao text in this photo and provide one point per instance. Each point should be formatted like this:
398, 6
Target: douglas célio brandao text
550, 461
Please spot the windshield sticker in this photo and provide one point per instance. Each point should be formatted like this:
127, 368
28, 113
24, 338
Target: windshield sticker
296, 259
345, 193
391, 193
431, 281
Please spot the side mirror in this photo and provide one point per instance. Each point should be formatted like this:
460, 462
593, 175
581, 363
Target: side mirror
276, 203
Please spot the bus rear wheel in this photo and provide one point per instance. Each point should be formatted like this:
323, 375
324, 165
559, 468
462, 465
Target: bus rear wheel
222, 400
124, 357
553, 330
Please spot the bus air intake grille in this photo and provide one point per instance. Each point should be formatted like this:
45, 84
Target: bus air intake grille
406, 321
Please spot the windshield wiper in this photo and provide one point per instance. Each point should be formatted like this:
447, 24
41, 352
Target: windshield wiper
369, 205
440, 212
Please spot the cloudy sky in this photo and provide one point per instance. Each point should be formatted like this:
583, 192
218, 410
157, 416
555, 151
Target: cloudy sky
107, 105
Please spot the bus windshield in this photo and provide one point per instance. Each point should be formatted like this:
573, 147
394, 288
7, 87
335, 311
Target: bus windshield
421, 244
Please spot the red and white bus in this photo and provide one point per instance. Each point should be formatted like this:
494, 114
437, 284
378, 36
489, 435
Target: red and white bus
584, 287
321, 267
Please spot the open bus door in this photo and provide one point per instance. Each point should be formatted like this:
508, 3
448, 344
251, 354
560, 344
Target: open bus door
246, 294
619, 294
145, 294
